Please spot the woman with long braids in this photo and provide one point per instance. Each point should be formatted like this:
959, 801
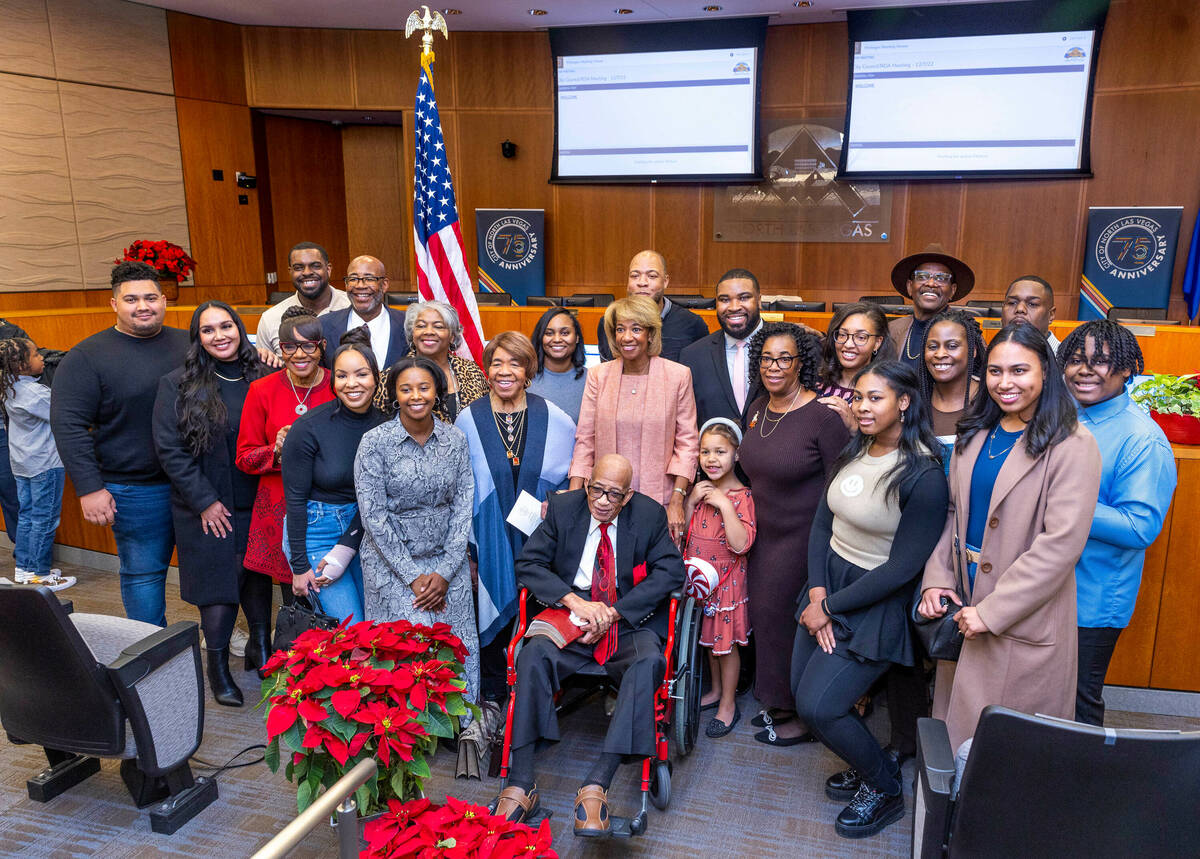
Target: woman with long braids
196, 417
854, 616
950, 373
1024, 481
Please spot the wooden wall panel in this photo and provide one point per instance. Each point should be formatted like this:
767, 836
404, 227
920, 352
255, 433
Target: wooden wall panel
298, 67
111, 43
126, 175
676, 220
1178, 638
308, 189
1150, 44
828, 65
784, 56
25, 38
775, 264
511, 70
37, 218
226, 237
386, 69
206, 58
596, 232
933, 215
1134, 656
377, 207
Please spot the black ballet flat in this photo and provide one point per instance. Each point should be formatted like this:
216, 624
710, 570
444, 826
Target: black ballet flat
770, 738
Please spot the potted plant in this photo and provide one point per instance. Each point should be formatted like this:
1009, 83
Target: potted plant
420, 829
382, 690
1174, 403
170, 260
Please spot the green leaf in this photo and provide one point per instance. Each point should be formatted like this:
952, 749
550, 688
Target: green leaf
436, 723
455, 705
418, 766
341, 727
271, 755
304, 796
446, 655
397, 783
362, 796
294, 738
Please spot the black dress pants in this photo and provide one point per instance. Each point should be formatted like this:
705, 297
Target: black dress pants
638, 665
1096, 645
907, 695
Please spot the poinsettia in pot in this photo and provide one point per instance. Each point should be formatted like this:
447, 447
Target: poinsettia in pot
170, 261
420, 829
1174, 403
381, 690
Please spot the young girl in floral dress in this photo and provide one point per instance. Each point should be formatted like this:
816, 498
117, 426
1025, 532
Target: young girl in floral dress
720, 531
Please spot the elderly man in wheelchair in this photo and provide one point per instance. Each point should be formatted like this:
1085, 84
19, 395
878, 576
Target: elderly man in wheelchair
605, 555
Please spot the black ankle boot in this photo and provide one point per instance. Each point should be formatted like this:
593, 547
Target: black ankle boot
258, 648
224, 689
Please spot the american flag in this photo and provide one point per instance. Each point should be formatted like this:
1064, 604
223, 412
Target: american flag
437, 238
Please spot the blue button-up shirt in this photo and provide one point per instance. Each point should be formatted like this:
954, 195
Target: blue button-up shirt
1137, 481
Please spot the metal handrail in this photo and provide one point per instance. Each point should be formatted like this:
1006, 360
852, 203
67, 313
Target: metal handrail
324, 806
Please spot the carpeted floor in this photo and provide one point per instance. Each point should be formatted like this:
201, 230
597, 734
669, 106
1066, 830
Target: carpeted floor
732, 797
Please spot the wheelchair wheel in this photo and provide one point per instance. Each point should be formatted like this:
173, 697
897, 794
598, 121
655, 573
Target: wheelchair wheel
660, 785
686, 718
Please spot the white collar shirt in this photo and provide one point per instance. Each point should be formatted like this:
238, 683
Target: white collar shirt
380, 329
587, 561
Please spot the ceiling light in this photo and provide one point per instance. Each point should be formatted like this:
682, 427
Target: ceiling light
712, 8
623, 11
802, 4
537, 12
452, 11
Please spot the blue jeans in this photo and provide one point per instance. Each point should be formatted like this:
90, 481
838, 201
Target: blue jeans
145, 537
9, 501
326, 524
41, 503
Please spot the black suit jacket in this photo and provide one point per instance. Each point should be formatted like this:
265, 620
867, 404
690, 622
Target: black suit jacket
710, 380
550, 559
334, 325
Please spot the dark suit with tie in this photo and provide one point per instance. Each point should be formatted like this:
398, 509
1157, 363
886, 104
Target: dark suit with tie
710, 380
547, 567
334, 325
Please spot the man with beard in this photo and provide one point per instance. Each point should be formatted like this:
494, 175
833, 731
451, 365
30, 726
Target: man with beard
308, 264
367, 285
680, 327
100, 413
932, 279
722, 381
1030, 299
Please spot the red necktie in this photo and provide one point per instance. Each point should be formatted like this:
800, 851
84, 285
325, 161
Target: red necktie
604, 589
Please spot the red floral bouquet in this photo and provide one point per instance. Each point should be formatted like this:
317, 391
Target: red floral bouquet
421, 830
168, 259
381, 690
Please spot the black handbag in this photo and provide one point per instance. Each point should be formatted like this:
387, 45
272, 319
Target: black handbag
940, 635
299, 617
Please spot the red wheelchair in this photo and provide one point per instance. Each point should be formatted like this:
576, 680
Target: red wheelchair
676, 706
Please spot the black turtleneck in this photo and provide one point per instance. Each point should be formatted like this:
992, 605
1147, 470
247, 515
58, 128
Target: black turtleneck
318, 465
233, 386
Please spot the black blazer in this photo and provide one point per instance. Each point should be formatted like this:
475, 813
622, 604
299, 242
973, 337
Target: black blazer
550, 559
710, 380
334, 325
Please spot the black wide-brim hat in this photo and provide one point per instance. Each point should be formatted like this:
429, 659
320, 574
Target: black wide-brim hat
964, 278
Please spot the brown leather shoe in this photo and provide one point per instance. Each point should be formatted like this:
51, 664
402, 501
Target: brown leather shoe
514, 804
591, 812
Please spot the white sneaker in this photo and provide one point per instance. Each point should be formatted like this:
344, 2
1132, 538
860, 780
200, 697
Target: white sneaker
21, 576
52, 581
237, 642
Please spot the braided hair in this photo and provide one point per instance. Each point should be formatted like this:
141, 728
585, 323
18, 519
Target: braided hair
976, 349
14, 357
1108, 338
808, 348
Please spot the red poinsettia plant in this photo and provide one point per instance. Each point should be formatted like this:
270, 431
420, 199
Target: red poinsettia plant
170, 260
418, 829
381, 690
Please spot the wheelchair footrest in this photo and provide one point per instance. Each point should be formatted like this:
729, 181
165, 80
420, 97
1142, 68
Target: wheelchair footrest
628, 827
539, 814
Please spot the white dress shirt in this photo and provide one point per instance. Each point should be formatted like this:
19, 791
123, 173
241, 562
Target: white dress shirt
380, 329
587, 561
731, 345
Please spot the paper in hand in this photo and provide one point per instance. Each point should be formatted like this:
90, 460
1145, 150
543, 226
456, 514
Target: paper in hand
526, 514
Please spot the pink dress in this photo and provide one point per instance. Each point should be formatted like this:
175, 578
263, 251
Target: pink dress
726, 618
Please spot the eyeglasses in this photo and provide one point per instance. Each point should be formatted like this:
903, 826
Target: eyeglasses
356, 279
860, 338
614, 496
935, 276
783, 362
308, 347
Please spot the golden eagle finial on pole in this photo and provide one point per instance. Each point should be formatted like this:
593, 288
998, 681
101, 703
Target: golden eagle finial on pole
429, 22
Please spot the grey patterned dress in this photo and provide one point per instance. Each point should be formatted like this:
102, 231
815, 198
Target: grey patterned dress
415, 503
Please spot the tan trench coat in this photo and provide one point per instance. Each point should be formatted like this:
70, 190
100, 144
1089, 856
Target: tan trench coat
1038, 521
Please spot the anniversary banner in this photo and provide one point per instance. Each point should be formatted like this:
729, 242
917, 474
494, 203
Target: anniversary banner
1128, 259
512, 253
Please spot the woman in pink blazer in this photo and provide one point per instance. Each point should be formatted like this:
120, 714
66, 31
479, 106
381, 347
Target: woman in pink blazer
640, 406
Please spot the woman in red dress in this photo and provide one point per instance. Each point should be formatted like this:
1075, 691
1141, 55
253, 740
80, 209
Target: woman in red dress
272, 404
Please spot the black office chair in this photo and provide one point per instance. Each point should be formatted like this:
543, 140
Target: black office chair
798, 306
581, 300
493, 299
893, 298
1036, 786
987, 307
543, 301
1146, 315
276, 297
402, 299
693, 301
599, 299
88, 686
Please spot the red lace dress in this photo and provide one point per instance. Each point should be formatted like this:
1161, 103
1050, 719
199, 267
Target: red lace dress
726, 619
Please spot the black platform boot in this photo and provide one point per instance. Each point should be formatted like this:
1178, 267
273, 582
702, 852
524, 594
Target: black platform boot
224, 689
258, 648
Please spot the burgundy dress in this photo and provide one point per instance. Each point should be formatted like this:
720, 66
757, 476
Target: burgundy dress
787, 468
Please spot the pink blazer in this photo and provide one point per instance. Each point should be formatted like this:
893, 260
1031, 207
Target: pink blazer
670, 444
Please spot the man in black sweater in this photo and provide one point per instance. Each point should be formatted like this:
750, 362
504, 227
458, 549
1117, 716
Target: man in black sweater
100, 412
680, 327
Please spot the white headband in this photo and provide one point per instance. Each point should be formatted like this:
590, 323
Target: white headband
737, 430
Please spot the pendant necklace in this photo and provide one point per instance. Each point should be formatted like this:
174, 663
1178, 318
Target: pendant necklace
511, 432
774, 422
908, 343
301, 405
992, 438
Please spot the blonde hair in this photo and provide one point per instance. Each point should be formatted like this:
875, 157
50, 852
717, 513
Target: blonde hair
639, 310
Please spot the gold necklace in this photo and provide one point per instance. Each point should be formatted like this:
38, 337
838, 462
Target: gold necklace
512, 433
908, 342
774, 422
992, 438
